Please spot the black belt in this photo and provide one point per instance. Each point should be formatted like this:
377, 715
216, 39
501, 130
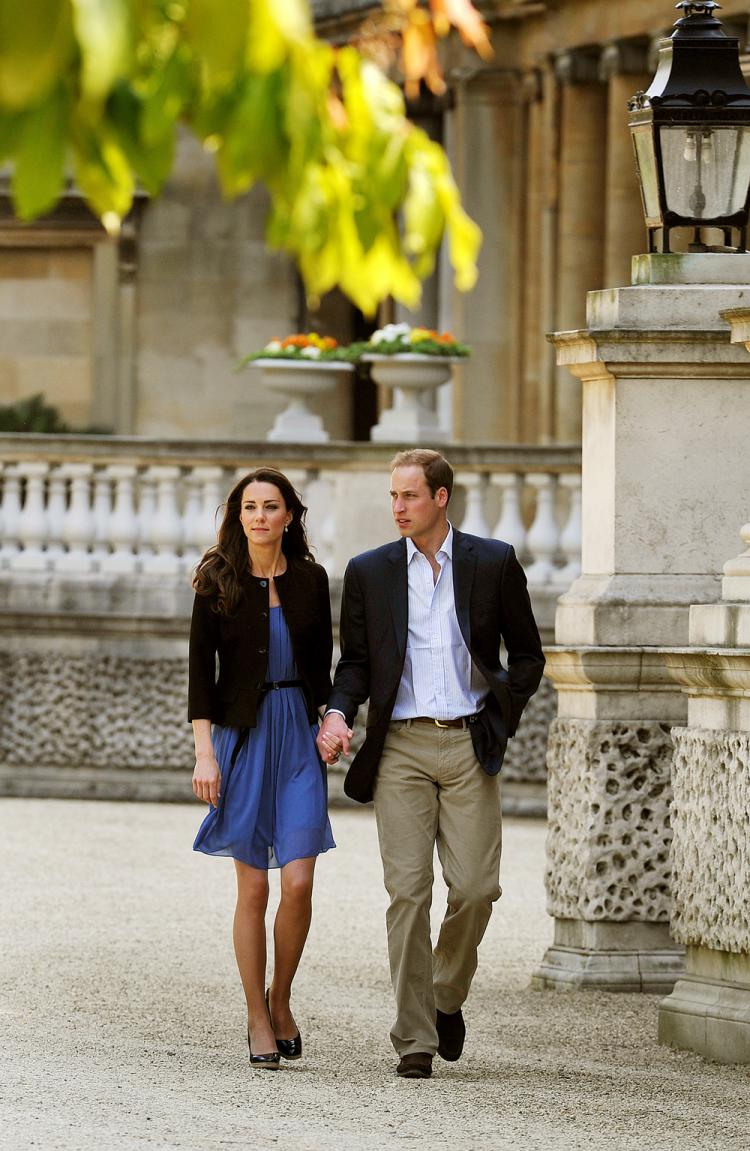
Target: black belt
277, 684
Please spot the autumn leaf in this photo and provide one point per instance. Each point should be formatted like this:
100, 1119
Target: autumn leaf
462, 15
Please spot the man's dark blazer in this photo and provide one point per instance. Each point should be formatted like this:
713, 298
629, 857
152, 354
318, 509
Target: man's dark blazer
241, 643
492, 605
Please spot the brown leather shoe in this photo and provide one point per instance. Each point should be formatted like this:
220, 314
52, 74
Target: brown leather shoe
418, 1065
451, 1031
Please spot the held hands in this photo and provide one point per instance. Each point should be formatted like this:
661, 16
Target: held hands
333, 737
207, 779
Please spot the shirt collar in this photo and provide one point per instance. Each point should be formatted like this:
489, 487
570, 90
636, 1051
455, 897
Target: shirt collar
445, 549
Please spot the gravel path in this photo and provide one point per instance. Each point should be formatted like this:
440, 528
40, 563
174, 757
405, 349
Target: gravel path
122, 1018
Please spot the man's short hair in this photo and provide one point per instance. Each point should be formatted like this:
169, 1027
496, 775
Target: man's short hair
437, 471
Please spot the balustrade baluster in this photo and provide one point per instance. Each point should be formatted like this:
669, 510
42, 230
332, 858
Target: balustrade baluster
146, 514
122, 531
475, 484
570, 537
102, 514
32, 525
78, 525
510, 526
543, 536
192, 526
214, 482
166, 524
57, 505
11, 514
321, 519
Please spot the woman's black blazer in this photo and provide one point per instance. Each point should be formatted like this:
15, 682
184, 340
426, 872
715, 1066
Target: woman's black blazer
241, 643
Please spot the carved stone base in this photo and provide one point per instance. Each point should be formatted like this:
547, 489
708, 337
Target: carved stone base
606, 956
709, 1010
608, 857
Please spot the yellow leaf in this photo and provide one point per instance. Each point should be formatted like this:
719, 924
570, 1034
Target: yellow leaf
275, 26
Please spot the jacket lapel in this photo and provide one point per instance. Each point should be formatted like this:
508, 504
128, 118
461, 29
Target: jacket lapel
464, 566
398, 596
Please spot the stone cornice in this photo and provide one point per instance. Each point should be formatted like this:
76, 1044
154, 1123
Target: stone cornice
608, 353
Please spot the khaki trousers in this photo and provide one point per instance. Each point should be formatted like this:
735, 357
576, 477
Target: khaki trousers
431, 790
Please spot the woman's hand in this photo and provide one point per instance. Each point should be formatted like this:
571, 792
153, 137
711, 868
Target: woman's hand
207, 779
333, 737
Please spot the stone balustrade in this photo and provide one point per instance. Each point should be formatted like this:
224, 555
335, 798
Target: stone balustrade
115, 506
99, 535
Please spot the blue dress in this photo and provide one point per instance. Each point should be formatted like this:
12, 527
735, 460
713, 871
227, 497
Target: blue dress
273, 802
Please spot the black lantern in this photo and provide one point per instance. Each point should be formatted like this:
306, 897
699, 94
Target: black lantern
691, 134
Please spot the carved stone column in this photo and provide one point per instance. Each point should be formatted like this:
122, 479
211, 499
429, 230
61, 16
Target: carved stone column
666, 403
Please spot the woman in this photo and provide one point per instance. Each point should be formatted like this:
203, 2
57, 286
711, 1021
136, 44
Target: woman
262, 606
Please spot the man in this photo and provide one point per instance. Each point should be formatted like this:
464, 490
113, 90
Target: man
421, 625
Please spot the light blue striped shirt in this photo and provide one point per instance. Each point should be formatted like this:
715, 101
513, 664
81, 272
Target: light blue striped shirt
439, 679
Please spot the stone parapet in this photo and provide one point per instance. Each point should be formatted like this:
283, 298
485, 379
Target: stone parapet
93, 690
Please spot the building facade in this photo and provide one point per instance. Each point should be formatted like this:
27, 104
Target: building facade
142, 336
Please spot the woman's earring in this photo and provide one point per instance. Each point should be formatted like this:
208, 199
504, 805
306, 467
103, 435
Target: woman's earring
286, 528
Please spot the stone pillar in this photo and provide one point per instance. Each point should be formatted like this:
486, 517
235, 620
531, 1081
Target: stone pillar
624, 68
540, 235
709, 1009
666, 403
485, 141
580, 266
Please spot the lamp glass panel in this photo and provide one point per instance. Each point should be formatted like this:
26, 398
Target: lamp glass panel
706, 170
646, 158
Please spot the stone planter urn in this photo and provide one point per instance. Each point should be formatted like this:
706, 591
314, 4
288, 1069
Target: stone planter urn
412, 376
298, 380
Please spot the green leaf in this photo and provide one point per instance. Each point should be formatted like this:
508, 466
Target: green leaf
217, 32
275, 27
151, 159
103, 173
11, 124
36, 48
105, 39
39, 169
254, 144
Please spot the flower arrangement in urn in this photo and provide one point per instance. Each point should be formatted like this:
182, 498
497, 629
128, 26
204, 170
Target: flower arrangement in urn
301, 347
403, 339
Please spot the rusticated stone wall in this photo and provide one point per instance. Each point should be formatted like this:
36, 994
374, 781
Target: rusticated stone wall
711, 848
101, 711
93, 693
609, 830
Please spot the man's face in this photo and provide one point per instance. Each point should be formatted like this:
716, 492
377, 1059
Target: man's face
415, 509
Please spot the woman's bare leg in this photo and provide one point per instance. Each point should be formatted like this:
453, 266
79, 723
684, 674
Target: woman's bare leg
250, 950
289, 934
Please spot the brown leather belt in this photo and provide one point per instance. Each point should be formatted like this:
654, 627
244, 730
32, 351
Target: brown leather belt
462, 721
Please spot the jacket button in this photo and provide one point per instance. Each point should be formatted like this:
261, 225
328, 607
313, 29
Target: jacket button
264, 615
264, 583
262, 650
259, 685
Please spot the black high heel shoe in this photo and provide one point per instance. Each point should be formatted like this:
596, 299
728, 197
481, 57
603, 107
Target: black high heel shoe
269, 1062
289, 1048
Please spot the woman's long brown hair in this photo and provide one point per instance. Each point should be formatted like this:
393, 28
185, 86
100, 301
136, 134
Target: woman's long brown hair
222, 568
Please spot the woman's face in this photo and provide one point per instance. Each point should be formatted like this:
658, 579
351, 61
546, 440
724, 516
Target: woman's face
263, 513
